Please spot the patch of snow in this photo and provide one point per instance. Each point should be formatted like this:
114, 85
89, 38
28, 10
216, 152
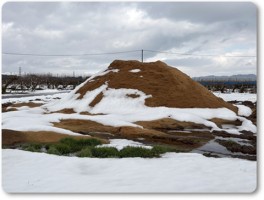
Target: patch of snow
121, 143
72, 101
135, 70
31, 119
237, 96
27, 172
244, 110
44, 98
247, 125
46, 91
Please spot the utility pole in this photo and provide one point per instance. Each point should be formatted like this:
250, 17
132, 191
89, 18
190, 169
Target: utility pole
19, 71
142, 51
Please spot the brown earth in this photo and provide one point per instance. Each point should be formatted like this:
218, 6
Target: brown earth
11, 137
7, 107
168, 86
169, 124
29, 104
235, 147
154, 132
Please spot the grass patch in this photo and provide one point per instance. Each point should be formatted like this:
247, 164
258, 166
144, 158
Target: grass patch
86, 152
163, 149
87, 148
137, 152
78, 145
32, 147
53, 150
88, 142
63, 149
105, 152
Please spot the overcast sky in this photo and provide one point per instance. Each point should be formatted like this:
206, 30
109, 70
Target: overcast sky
223, 29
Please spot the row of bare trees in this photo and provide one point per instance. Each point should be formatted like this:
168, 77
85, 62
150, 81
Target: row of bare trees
239, 87
32, 82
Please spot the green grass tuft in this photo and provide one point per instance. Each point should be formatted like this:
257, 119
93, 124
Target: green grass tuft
86, 152
88, 142
78, 145
63, 149
136, 152
105, 152
53, 150
32, 147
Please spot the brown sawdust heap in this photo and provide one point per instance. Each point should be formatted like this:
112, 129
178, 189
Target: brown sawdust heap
168, 86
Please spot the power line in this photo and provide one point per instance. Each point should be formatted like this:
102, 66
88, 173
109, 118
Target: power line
189, 54
66, 55
122, 52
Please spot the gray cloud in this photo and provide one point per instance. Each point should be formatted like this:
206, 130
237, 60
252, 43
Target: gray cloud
77, 28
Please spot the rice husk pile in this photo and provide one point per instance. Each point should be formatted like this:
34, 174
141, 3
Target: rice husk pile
168, 86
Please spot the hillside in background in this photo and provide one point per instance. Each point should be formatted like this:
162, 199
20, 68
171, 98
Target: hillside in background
238, 77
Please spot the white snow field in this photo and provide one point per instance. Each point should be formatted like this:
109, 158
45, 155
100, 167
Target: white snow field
42, 98
26, 172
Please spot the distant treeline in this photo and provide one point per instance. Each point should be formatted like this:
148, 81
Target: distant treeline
32, 82
231, 86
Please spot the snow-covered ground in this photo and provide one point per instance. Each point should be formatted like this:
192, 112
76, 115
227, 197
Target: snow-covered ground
237, 96
41, 98
175, 172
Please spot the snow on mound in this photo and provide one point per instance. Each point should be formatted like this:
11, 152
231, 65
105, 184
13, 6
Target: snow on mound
244, 110
135, 70
26, 172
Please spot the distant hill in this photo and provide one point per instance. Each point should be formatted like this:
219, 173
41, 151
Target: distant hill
238, 77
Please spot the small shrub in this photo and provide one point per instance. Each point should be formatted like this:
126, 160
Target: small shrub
61, 148
105, 152
72, 144
68, 141
157, 150
89, 142
86, 152
53, 150
136, 152
77, 145
32, 147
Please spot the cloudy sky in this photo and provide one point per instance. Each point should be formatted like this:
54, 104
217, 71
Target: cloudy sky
196, 29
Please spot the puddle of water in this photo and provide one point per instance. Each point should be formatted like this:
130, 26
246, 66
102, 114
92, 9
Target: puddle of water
197, 130
178, 131
228, 126
213, 146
